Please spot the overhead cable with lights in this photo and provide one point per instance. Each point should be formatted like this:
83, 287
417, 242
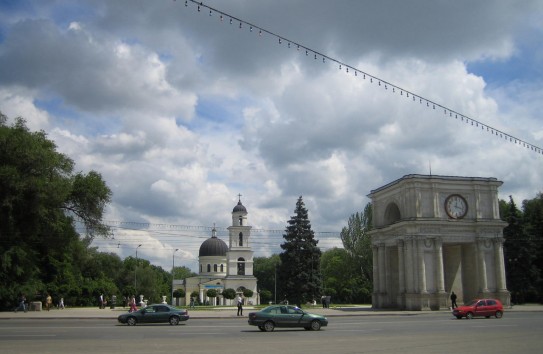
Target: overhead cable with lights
392, 88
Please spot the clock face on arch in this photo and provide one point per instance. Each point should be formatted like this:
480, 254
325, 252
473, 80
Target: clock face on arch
456, 206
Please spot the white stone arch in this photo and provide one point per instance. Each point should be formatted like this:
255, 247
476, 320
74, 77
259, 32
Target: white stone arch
392, 213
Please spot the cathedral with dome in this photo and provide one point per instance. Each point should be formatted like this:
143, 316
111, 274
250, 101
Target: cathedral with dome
224, 266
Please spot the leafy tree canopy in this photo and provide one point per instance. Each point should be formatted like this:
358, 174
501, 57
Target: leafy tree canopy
265, 270
41, 198
229, 293
211, 293
357, 241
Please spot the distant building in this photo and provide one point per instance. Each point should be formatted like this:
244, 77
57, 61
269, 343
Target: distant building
433, 235
223, 266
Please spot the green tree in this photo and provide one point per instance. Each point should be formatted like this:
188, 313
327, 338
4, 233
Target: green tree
41, 202
265, 296
183, 273
247, 293
299, 272
265, 270
178, 293
518, 248
533, 219
153, 282
342, 279
212, 294
357, 242
229, 293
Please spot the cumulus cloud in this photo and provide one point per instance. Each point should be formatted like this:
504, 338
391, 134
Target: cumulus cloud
180, 111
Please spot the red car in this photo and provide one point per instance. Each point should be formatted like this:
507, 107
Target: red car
480, 308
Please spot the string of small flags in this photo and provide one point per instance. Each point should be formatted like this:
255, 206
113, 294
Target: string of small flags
316, 55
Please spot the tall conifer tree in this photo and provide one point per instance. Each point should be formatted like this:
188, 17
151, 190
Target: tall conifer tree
299, 273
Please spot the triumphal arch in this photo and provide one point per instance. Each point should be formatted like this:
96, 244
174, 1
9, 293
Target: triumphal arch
433, 235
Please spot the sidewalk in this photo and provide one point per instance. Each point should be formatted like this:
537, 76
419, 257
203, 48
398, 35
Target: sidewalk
230, 312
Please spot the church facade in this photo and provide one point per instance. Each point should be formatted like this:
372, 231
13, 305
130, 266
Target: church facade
433, 235
224, 266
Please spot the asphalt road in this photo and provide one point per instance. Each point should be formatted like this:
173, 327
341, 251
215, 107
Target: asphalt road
517, 332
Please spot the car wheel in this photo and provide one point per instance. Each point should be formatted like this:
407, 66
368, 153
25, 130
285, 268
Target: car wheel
469, 315
499, 314
315, 325
269, 326
174, 320
459, 317
131, 321
261, 328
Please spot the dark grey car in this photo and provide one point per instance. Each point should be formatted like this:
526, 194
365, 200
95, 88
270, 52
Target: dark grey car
287, 316
156, 313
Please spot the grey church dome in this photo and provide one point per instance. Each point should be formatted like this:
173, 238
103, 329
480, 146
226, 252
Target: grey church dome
239, 208
213, 247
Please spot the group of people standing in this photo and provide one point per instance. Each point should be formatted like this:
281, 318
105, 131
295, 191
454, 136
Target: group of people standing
48, 303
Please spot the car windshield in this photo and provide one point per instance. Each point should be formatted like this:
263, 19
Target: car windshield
472, 303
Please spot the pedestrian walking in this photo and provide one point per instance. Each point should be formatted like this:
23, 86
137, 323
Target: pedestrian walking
133, 304
61, 304
453, 300
191, 306
22, 304
240, 306
48, 302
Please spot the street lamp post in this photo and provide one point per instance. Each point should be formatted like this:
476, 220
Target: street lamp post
275, 285
136, 273
173, 266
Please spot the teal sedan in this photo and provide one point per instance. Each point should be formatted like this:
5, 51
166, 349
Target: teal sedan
286, 316
156, 313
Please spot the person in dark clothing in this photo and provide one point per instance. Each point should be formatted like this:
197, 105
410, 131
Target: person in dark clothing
453, 300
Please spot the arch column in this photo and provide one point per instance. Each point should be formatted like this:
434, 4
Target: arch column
500, 266
481, 265
375, 261
382, 269
401, 267
422, 270
409, 272
440, 279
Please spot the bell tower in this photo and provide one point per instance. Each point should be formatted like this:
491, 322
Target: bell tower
240, 255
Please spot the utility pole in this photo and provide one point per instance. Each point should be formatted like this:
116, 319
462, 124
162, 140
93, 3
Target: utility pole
173, 266
136, 273
275, 290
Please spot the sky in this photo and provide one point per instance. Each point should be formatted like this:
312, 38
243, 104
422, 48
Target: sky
181, 111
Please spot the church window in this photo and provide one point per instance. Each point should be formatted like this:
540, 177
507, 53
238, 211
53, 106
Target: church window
240, 221
241, 266
209, 268
240, 239
222, 268
200, 268
215, 268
